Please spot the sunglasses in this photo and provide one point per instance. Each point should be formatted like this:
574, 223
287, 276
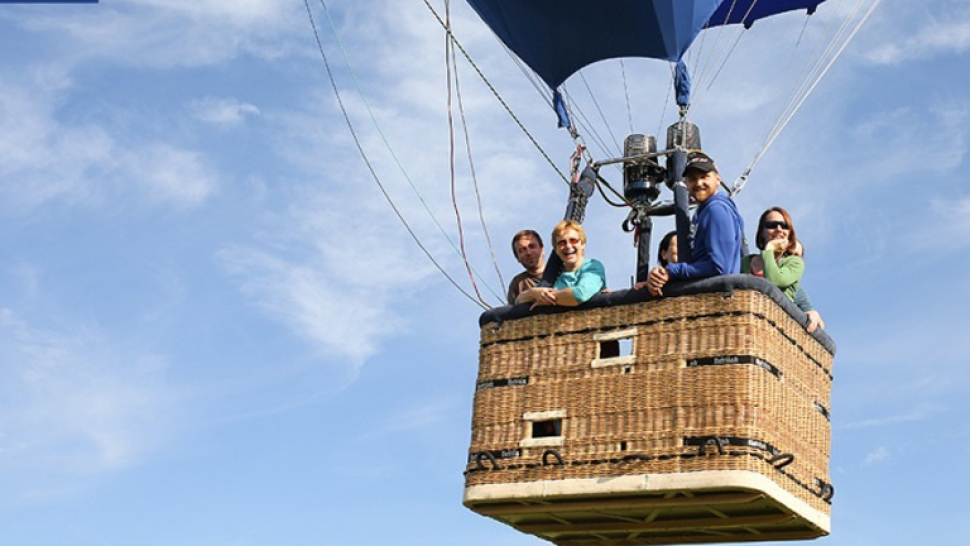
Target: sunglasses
771, 224
562, 242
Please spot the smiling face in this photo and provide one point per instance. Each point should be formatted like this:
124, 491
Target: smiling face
528, 252
570, 248
775, 227
701, 185
776, 223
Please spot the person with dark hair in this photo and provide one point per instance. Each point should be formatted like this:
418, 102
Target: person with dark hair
667, 251
580, 279
666, 254
717, 229
528, 250
777, 262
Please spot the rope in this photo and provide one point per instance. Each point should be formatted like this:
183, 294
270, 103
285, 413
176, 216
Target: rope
449, 58
600, 110
367, 162
740, 32
626, 93
387, 144
670, 88
495, 92
743, 179
471, 166
572, 105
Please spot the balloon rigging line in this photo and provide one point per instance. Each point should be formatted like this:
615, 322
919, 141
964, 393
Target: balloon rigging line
583, 121
600, 110
803, 75
740, 32
496, 93
703, 71
743, 179
804, 80
807, 79
471, 167
367, 162
663, 113
626, 94
449, 57
387, 144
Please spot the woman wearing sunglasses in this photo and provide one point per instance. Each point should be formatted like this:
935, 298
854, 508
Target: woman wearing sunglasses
580, 279
777, 262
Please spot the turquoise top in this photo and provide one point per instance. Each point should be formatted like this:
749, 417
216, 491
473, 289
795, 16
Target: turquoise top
586, 282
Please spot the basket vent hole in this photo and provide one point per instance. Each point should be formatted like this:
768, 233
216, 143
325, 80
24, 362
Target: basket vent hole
623, 445
613, 348
627, 368
547, 429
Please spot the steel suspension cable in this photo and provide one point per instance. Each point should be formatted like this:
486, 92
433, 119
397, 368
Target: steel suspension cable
370, 167
495, 92
387, 144
743, 179
600, 110
449, 57
626, 94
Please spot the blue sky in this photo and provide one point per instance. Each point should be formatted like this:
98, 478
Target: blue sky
213, 330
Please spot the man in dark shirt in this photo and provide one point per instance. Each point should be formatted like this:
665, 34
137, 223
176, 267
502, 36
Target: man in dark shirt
528, 250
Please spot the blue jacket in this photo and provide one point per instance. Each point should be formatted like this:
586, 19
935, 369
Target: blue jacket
717, 230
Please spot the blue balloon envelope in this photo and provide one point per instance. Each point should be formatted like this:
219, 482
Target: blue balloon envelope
558, 37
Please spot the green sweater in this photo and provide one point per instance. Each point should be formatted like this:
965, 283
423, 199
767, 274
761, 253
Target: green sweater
784, 273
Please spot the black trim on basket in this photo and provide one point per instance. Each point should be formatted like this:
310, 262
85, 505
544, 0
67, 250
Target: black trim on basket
825, 490
725, 441
497, 454
554, 453
508, 382
728, 360
781, 461
823, 410
486, 455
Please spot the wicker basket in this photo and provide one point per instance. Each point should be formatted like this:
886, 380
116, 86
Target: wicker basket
710, 425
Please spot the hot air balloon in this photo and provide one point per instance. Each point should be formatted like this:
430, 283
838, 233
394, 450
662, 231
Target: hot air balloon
702, 416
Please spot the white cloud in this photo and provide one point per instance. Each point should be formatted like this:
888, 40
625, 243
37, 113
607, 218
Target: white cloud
342, 321
167, 33
169, 174
918, 414
72, 403
934, 35
47, 159
878, 455
223, 111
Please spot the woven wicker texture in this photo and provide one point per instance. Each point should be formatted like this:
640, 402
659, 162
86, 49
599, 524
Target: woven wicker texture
733, 371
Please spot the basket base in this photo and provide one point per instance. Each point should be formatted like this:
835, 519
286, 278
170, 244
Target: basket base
694, 507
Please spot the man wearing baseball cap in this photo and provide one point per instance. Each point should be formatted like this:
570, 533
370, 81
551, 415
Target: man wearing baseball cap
717, 229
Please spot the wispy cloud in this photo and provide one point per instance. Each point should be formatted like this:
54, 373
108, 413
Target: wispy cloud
944, 32
171, 33
46, 158
878, 455
918, 414
223, 111
74, 404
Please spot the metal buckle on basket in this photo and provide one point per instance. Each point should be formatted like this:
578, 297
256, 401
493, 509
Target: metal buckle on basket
486, 455
554, 453
712, 441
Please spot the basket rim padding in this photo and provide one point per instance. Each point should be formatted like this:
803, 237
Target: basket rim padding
720, 284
